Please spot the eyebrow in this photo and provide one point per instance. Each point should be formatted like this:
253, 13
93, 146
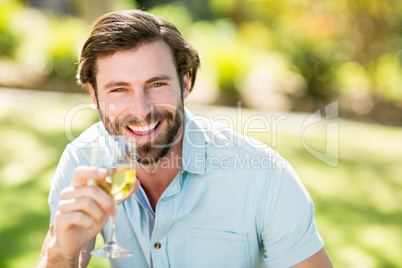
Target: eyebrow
158, 78
125, 84
116, 83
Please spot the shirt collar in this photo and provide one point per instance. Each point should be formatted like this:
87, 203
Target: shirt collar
195, 141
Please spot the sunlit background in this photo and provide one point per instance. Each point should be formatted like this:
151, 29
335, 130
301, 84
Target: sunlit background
284, 57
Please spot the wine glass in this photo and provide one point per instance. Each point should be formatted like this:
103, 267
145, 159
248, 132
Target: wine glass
117, 154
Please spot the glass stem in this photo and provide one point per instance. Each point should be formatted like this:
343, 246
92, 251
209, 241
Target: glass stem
112, 237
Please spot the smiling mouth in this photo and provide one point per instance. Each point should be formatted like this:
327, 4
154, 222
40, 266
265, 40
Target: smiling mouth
143, 129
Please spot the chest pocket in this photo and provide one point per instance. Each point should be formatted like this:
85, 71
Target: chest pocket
211, 248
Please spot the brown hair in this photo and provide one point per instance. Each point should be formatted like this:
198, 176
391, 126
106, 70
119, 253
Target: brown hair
129, 29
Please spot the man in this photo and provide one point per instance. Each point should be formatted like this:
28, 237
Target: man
200, 203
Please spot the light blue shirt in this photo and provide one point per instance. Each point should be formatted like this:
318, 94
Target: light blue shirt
236, 203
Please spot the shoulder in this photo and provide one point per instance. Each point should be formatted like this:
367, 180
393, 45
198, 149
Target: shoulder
78, 151
89, 135
222, 140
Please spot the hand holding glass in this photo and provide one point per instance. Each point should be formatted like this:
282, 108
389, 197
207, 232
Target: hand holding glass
117, 155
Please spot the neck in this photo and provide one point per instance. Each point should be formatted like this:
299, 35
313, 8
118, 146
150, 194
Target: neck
156, 177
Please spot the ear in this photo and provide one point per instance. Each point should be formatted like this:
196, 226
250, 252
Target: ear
93, 96
186, 85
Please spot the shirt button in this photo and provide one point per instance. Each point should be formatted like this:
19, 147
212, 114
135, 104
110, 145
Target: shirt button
157, 245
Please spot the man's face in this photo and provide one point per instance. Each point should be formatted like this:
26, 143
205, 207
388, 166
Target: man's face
139, 95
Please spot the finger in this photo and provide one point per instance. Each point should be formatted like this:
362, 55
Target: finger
85, 205
84, 173
68, 221
73, 230
102, 199
74, 219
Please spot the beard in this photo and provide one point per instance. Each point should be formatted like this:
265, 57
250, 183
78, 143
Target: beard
153, 151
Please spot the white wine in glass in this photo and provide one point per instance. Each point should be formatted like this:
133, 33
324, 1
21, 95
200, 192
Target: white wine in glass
117, 154
119, 182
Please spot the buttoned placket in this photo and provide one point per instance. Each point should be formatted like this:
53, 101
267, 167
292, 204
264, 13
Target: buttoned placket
163, 222
160, 222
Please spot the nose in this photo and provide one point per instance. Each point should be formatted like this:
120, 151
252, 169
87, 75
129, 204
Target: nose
140, 104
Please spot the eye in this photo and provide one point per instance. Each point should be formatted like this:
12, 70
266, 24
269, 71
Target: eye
158, 84
118, 90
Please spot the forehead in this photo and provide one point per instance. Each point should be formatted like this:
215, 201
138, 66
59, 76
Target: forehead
142, 62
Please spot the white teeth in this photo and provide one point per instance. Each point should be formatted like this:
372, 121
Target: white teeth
143, 128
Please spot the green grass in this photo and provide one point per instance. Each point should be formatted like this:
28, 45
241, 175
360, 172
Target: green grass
358, 202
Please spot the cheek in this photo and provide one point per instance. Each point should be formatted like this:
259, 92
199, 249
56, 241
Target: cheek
115, 106
110, 111
168, 99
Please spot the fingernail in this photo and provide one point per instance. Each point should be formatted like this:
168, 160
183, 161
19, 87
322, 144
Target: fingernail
102, 171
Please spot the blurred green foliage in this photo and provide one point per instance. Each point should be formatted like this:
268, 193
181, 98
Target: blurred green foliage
9, 40
43, 50
348, 50
325, 51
